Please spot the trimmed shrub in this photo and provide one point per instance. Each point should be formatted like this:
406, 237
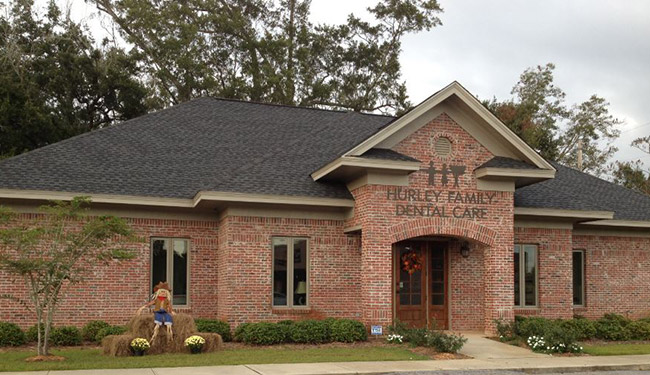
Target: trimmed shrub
89, 331
647, 320
612, 327
240, 332
561, 339
265, 333
533, 326
11, 335
347, 330
310, 331
214, 326
638, 330
445, 343
66, 336
505, 329
584, 329
31, 335
108, 331
442, 342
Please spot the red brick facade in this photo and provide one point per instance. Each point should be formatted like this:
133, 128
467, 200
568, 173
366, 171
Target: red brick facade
351, 275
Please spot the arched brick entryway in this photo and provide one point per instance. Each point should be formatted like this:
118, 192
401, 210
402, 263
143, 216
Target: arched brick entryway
443, 227
460, 304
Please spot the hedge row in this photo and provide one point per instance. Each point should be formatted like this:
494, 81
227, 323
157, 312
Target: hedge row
12, 335
611, 327
302, 332
562, 335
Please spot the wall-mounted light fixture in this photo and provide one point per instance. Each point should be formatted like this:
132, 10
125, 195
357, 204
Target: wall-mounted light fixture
464, 249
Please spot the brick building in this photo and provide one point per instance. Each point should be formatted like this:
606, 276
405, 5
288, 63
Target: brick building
264, 212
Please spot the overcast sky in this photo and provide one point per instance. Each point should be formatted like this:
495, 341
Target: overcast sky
598, 46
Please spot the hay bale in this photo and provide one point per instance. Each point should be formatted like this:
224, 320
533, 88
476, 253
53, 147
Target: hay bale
213, 342
143, 326
117, 345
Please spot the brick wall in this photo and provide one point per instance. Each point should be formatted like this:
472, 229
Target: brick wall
617, 275
554, 256
114, 292
245, 267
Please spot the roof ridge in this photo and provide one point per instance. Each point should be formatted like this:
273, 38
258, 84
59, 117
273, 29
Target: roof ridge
292, 106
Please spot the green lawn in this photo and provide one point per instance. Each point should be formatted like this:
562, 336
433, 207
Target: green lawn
93, 359
617, 349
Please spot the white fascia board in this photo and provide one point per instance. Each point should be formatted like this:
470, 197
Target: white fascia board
561, 213
178, 202
619, 223
514, 172
354, 161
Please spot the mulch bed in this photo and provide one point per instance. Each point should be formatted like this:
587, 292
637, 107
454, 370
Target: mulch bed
428, 352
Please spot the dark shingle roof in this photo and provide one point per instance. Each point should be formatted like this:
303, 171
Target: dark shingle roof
232, 146
204, 144
386, 154
504, 162
575, 190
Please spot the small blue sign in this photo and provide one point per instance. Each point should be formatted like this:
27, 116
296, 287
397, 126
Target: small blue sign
376, 330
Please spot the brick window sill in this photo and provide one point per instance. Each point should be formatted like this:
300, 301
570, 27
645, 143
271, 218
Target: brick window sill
533, 310
291, 310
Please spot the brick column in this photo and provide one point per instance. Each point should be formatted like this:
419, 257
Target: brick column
499, 283
376, 277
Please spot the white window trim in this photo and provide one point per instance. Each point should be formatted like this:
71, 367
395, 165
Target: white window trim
170, 266
290, 269
584, 286
522, 277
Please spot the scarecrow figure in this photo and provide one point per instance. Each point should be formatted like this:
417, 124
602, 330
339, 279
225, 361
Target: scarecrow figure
162, 299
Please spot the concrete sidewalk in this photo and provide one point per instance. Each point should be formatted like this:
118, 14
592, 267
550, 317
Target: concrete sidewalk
544, 364
486, 355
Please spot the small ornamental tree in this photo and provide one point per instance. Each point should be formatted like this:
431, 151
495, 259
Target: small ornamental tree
56, 249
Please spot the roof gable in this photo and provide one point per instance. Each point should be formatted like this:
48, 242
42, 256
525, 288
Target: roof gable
469, 113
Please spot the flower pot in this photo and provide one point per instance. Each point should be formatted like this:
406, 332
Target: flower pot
195, 349
138, 353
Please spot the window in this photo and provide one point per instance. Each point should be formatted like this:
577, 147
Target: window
170, 262
578, 277
525, 275
290, 287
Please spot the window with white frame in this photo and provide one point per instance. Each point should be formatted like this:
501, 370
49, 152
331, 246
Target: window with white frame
170, 263
525, 275
578, 277
290, 272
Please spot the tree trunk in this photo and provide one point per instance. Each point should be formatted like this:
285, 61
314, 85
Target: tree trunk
290, 87
39, 324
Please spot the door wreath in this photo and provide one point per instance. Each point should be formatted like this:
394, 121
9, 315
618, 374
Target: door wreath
411, 262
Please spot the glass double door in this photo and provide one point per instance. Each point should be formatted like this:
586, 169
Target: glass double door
420, 283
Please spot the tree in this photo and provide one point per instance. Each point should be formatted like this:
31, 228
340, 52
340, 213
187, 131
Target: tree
55, 250
269, 51
54, 84
539, 115
633, 174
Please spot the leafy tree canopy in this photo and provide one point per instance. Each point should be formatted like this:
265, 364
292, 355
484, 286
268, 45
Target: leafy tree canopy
55, 84
539, 115
263, 50
634, 174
